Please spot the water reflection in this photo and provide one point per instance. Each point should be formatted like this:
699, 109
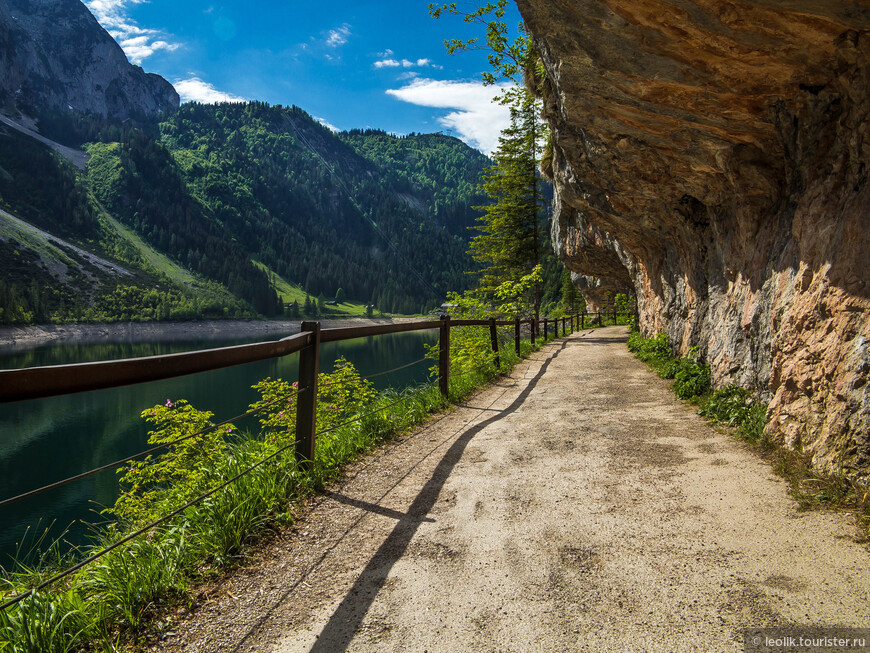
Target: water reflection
45, 440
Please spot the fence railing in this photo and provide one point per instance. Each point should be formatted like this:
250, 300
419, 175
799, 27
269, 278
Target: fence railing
47, 381
53, 380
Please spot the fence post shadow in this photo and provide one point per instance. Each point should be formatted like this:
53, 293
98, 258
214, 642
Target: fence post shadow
345, 621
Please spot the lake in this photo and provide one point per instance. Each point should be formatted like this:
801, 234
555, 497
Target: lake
46, 440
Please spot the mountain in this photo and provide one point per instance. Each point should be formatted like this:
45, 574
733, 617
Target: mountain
55, 55
329, 211
234, 197
119, 204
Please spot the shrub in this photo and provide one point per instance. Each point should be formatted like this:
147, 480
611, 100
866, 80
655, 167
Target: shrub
691, 377
734, 406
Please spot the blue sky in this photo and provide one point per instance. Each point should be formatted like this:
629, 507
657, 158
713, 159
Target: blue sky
351, 64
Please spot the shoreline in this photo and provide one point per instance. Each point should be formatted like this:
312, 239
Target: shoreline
18, 338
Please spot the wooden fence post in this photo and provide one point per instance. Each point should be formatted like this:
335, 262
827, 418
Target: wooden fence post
493, 339
546, 329
564, 333
599, 319
532, 330
582, 320
306, 404
517, 336
444, 357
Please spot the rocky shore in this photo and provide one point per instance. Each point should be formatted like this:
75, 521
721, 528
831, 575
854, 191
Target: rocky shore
24, 337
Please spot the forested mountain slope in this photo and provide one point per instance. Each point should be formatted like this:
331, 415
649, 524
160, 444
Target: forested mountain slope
214, 188
302, 199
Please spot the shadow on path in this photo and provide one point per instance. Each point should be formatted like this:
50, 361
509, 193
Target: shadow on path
345, 621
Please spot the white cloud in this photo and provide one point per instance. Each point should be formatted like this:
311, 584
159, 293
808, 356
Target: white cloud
141, 47
475, 118
338, 36
389, 62
138, 43
327, 124
194, 89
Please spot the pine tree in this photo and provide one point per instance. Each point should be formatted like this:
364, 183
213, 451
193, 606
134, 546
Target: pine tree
569, 293
510, 245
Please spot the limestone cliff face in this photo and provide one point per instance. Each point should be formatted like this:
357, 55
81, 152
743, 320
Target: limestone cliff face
54, 54
714, 154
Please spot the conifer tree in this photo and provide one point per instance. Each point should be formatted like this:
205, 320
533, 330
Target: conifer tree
510, 245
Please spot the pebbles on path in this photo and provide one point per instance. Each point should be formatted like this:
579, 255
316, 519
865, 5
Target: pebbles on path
573, 506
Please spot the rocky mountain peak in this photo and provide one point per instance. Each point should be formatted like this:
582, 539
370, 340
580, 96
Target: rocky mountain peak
55, 55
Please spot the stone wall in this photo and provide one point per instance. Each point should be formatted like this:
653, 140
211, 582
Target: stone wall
713, 154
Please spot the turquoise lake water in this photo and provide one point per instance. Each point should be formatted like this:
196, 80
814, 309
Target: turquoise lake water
46, 440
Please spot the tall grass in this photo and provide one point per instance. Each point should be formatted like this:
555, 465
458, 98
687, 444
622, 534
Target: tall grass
112, 601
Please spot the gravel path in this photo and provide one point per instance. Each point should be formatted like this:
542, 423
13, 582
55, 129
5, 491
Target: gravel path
574, 506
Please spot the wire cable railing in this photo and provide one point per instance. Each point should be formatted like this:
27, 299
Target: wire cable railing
146, 452
203, 431
202, 497
305, 342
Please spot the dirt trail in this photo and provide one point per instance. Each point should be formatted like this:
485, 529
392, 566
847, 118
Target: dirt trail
575, 506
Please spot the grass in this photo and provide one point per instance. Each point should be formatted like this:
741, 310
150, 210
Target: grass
117, 599
151, 257
290, 292
736, 408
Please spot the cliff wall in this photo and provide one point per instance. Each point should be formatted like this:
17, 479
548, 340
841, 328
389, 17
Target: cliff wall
54, 54
713, 154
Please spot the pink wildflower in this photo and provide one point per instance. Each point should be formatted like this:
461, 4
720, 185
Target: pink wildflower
296, 384
169, 403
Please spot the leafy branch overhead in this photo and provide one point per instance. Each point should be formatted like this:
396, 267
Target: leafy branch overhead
509, 58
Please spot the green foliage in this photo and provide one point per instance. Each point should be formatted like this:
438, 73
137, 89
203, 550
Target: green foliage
140, 184
27, 169
514, 295
216, 186
691, 376
46, 622
438, 175
104, 603
509, 59
735, 407
572, 301
249, 166
154, 485
470, 348
156, 564
341, 394
509, 244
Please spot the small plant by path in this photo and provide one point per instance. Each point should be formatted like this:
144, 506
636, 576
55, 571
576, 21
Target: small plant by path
203, 501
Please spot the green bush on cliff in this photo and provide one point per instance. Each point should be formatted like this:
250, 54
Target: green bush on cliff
735, 406
691, 375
